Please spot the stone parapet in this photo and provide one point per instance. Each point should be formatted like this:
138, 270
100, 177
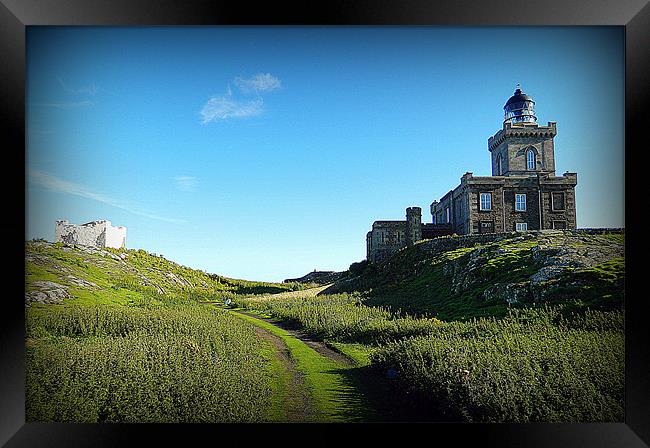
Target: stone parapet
522, 131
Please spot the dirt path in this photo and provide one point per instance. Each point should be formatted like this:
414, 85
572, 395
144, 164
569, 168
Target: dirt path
321, 384
319, 346
298, 406
311, 292
317, 383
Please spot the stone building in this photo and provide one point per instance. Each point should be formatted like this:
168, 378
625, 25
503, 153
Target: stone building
387, 237
523, 193
95, 233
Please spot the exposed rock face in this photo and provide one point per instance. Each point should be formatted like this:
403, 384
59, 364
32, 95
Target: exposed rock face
546, 273
491, 270
555, 255
46, 292
80, 282
177, 279
578, 252
41, 259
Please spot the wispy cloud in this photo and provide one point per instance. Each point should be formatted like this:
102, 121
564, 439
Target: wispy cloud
186, 183
224, 107
53, 183
67, 104
75, 98
261, 82
88, 90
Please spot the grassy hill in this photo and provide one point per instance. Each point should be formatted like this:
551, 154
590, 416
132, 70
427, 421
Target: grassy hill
456, 278
121, 336
71, 274
318, 278
142, 348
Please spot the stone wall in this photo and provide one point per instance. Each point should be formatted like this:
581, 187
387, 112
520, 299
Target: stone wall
565, 184
467, 217
435, 230
530, 216
413, 225
446, 243
94, 233
385, 238
512, 142
115, 236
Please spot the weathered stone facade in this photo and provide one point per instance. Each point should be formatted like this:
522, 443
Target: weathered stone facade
523, 193
387, 237
95, 233
545, 202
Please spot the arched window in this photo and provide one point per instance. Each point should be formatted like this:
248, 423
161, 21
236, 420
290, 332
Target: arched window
499, 171
530, 159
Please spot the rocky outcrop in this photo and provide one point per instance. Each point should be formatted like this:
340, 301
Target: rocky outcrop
46, 292
80, 282
554, 256
179, 280
479, 272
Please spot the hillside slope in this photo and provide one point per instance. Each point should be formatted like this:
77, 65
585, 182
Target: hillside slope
482, 275
74, 274
318, 278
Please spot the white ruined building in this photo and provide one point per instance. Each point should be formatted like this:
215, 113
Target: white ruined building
96, 233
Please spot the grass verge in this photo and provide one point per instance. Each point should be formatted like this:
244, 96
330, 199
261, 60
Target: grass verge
334, 398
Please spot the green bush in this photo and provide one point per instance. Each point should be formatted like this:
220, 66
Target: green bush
342, 317
176, 364
534, 365
358, 268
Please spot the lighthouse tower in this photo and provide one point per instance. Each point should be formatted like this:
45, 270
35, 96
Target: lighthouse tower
520, 108
522, 147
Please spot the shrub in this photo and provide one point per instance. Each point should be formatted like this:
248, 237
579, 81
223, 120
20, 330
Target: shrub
532, 366
176, 364
358, 267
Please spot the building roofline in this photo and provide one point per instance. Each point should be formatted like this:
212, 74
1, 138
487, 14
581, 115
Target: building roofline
528, 130
387, 222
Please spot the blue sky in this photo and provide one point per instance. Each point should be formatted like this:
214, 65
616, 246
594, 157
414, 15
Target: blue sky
267, 152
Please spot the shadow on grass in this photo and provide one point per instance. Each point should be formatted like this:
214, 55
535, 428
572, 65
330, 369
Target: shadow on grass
370, 396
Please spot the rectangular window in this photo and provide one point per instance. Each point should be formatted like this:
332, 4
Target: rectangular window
557, 201
521, 227
560, 225
520, 202
447, 215
486, 201
486, 227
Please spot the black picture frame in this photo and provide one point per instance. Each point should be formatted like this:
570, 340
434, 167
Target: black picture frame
16, 15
